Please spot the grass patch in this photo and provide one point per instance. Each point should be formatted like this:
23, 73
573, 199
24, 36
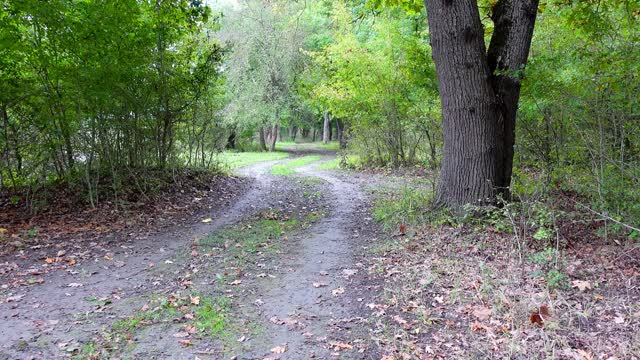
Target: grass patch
235, 160
409, 206
196, 313
330, 165
290, 145
261, 235
289, 167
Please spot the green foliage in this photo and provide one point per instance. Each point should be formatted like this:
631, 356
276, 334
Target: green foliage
577, 125
548, 260
88, 87
263, 66
378, 76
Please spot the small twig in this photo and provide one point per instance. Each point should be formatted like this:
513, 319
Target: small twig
605, 216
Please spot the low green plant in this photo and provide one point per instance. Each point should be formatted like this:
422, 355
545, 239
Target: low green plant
211, 316
289, 167
407, 206
549, 262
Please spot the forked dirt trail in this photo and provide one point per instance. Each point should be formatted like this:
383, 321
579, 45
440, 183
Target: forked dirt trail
310, 305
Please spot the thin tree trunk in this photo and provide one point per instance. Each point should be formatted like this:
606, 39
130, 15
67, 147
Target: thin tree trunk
274, 138
263, 143
326, 136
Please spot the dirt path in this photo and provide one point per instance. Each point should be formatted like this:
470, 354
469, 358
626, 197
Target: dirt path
316, 299
309, 309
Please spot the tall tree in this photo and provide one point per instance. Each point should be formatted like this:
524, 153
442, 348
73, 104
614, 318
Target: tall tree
479, 90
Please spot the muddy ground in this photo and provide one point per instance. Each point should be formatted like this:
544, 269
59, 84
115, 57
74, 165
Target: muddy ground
300, 294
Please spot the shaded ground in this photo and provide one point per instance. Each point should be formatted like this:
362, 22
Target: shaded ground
294, 267
275, 274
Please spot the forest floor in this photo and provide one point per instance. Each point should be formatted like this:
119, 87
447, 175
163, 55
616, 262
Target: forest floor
287, 262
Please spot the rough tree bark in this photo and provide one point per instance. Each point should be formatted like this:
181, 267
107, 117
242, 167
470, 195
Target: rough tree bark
326, 137
479, 91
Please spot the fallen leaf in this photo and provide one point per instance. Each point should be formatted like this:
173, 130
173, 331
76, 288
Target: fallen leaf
349, 272
540, 315
235, 282
476, 326
399, 320
585, 355
482, 313
195, 300
338, 345
190, 329
49, 260
71, 261
338, 291
279, 349
181, 334
581, 285
61, 253
14, 298
185, 342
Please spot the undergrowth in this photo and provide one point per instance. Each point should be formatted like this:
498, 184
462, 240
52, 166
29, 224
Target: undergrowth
527, 277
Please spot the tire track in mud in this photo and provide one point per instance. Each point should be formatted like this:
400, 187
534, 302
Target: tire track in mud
53, 302
312, 310
319, 255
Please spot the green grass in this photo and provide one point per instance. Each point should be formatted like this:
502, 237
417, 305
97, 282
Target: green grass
402, 206
330, 165
258, 235
249, 238
290, 166
235, 160
288, 145
210, 319
211, 316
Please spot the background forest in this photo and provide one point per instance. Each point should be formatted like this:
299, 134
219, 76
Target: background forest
102, 95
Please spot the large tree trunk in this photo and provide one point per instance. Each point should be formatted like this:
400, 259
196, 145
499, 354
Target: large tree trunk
508, 52
477, 149
326, 136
